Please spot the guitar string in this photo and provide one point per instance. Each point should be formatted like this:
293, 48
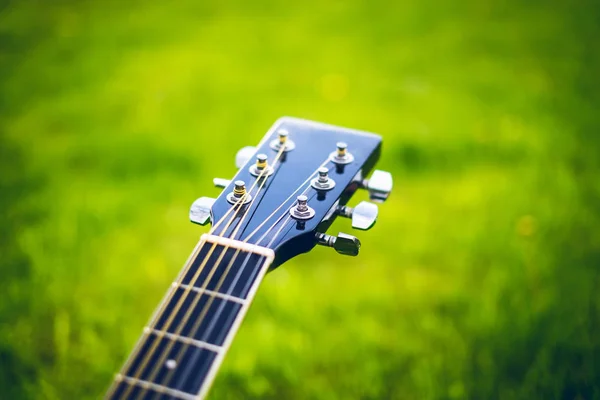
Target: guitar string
198, 296
254, 232
214, 319
189, 262
184, 296
286, 200
219, 311
247, 238
146, 334
198, 249
187, 290
258, 274
208, 304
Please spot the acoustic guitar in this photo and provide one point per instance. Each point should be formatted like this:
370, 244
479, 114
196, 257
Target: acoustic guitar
286, 194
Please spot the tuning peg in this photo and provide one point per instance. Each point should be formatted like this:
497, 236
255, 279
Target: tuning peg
379, 185
200, 210
243, 155
347, 245
220, 182
364, 215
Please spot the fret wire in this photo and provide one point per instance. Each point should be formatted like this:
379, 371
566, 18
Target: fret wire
212, 270
154, 386
184, 339
212, 372
211, 293
219, 311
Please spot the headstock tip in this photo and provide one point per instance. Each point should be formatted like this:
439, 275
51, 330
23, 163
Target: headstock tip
323, 164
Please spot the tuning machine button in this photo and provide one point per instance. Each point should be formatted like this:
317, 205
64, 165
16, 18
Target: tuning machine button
343, 243
221, 183
243, 155
363, 216
379, 185
200, 210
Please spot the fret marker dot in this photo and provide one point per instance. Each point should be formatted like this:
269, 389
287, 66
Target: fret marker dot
171, 364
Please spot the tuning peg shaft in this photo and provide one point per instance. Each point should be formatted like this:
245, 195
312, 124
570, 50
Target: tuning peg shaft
345, 244
379, 185
363, 216
200, 210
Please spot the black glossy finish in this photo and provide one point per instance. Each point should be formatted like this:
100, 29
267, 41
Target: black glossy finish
314, 143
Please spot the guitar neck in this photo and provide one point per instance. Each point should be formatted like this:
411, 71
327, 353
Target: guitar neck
183, 346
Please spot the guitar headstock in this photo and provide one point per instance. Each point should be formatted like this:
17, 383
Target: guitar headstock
290, 188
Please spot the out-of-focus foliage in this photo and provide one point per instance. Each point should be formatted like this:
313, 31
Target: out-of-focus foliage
480, 279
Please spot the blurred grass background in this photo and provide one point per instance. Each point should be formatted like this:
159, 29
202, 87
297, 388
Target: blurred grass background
480, 279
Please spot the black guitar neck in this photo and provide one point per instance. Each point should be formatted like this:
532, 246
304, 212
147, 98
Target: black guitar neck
183, 345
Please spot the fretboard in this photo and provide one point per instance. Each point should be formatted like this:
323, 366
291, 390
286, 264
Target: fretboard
184, 344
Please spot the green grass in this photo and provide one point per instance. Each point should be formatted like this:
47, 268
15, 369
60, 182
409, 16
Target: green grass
480, 279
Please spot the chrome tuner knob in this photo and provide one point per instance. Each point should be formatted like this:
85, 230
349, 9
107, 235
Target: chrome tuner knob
379, 185
243, 155
200, 210
363, 216
345, 244
221, 183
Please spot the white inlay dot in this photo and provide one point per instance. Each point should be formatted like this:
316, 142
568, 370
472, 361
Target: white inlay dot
171, 364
